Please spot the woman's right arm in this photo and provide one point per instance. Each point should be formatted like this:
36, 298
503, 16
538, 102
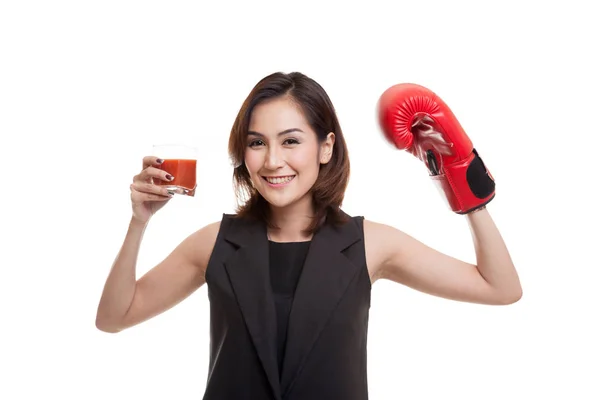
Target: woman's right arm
126, 302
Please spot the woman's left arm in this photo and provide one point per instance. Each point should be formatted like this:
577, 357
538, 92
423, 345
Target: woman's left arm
398, 257
493, 259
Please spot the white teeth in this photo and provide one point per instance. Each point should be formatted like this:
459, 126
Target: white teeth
278, 181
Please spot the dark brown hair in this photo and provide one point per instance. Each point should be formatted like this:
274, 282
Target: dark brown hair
330, 186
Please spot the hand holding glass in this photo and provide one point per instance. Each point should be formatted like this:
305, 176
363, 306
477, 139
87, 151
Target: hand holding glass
180, 162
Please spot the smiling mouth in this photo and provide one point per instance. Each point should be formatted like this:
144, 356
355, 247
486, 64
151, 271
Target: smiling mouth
280, 180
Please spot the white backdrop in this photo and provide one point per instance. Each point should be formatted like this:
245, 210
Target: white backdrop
86, 88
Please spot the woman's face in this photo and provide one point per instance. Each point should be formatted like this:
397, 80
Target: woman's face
283, 155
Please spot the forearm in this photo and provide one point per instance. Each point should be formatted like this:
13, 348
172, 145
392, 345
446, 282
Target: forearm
119, 288
493, 259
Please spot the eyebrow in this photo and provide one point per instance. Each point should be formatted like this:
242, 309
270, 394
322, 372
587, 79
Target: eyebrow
253, 133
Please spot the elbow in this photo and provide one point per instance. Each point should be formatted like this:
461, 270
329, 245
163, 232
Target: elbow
106, 328
104, 325
510, 298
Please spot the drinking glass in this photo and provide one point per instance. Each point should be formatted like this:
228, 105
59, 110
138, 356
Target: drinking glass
179, 160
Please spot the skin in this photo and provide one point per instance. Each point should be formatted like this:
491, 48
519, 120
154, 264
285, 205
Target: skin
282, 144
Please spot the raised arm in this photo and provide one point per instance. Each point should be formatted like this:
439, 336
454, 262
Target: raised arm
397, 256
415, 119
126, 301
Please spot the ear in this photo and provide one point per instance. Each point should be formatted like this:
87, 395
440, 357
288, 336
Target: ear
326, 149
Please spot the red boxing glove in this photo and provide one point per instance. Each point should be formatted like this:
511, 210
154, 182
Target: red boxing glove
415, 119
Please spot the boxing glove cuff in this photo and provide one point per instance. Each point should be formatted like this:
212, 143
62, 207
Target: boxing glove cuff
466, 185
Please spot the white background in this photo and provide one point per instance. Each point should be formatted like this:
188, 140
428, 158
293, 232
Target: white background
87, 87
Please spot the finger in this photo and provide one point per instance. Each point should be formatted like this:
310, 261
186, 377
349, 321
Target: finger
150, 161
150, 188
138, 197
146, 197
152, 172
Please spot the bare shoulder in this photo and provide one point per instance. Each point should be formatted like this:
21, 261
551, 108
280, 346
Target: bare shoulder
200, 244
379, 240
397, 256
188, 261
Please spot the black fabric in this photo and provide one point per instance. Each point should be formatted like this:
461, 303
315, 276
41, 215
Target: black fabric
325, 347
285, 265
480, 182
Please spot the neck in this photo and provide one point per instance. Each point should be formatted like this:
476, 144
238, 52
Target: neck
291, 222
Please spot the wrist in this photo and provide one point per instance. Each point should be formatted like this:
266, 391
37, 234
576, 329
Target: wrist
478, 214
483, 207
135, 223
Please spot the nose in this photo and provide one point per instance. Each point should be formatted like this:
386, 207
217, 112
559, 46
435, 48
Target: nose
274, 158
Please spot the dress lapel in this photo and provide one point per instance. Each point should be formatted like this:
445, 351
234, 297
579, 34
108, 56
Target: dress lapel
325, 277
248, 270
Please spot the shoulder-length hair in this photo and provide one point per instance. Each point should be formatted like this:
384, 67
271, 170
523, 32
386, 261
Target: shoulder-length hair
330, 186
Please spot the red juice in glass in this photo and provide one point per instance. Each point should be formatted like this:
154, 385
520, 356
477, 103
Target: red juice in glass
180, 162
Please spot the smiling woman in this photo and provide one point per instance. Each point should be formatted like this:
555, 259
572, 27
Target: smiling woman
287, 131
290, 274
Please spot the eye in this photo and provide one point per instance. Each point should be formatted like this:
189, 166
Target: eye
290, 141
255, 143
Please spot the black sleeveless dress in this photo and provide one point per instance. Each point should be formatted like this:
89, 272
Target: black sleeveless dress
288, 321
285, 267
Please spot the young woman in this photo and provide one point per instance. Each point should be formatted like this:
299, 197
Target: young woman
289, 275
